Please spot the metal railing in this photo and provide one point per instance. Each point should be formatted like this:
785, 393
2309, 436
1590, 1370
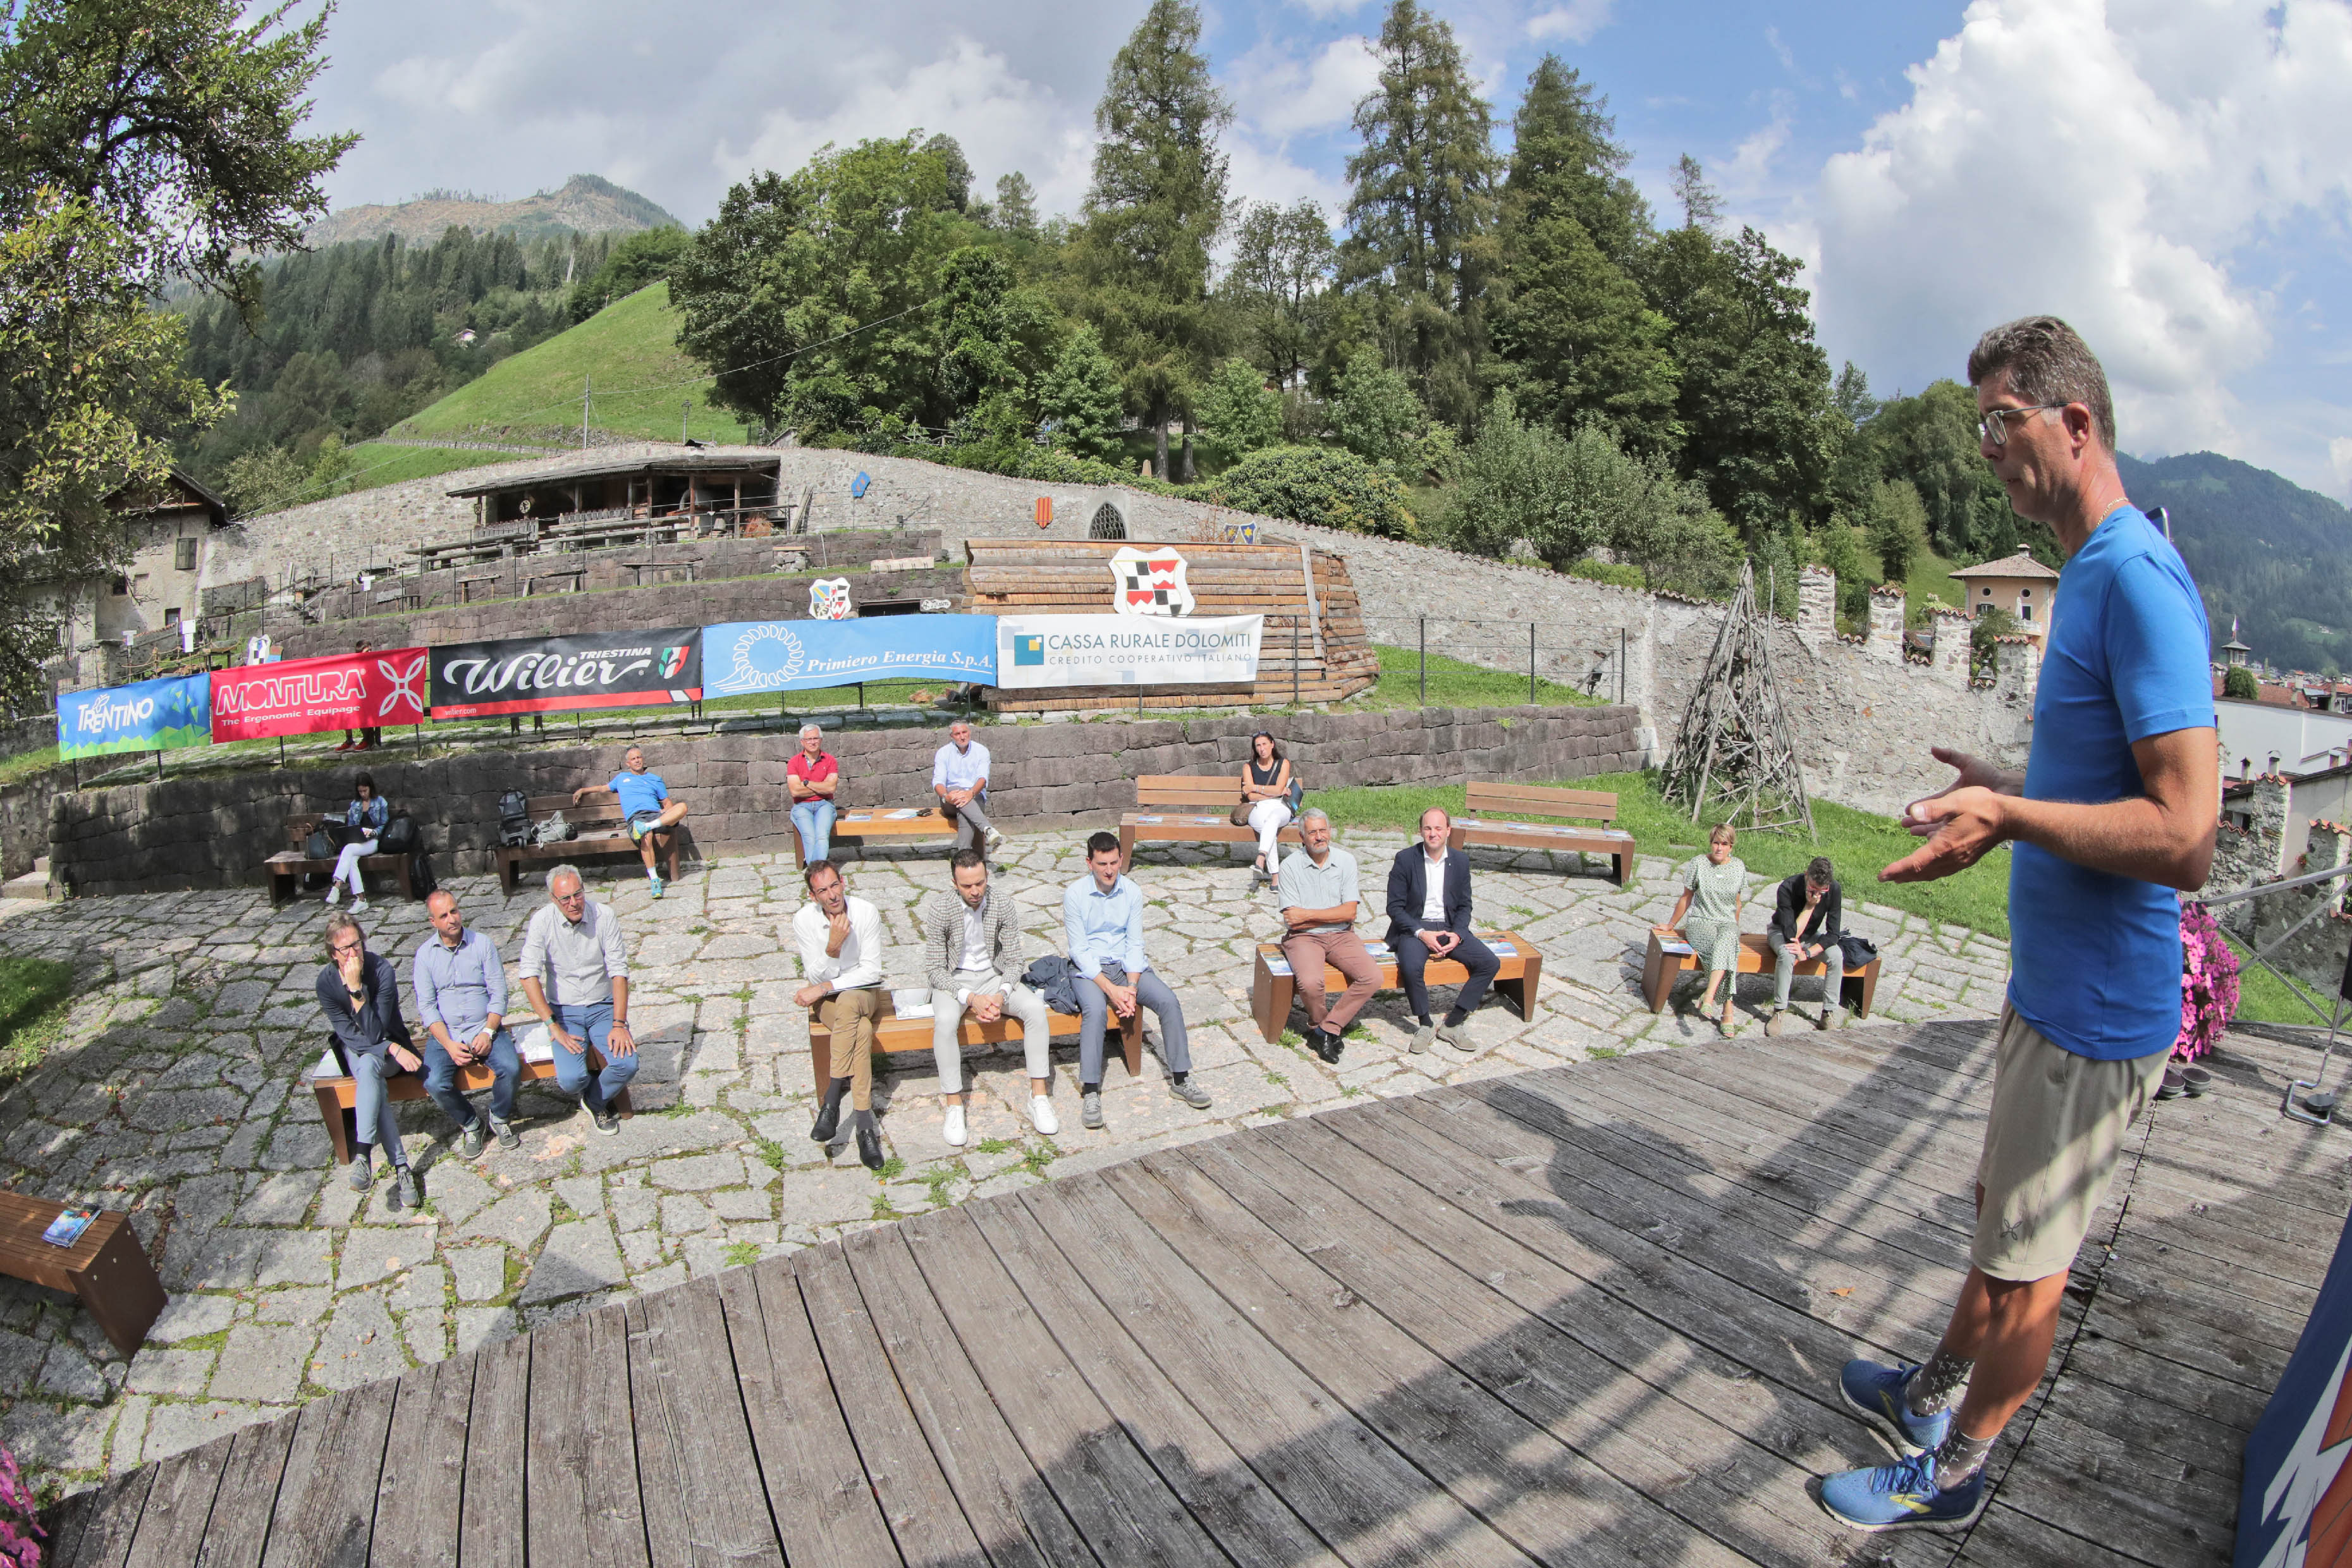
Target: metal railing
1593, 662
2318, 1108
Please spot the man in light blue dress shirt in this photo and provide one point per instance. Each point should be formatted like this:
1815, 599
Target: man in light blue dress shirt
461, 1000
960, 778
1102, 919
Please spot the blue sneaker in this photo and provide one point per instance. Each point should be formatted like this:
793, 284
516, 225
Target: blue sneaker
1875, 1393
1902, 1495
657, 882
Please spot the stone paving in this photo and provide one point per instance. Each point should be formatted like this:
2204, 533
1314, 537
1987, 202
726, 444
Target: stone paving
173, 1094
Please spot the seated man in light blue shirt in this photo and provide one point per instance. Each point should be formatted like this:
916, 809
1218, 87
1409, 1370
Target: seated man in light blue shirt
645, 806
960, 778
1102, 918
461, 1000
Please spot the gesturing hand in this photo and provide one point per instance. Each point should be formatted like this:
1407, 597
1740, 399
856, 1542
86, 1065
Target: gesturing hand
1959, 825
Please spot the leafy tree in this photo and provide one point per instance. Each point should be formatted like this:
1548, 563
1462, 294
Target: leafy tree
2238, 681
1283, 260
992, 336
177, 118
1836, 547
262, 479
1373, 411
1898, 528
1238, 416
1702, 208
1080, 400
1155, 205
1930, 440
91, 394
636, 262
814, 295
1422, 216
1319, 486
1015, 211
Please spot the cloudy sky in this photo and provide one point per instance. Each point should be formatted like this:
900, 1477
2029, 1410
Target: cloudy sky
2173, 175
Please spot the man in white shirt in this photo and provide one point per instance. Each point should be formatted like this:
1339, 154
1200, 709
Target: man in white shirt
960, 778
1429, 917
840, 941
971, 942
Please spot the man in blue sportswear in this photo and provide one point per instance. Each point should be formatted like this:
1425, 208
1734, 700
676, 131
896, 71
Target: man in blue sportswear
1102, 920
646, 805
2114, 810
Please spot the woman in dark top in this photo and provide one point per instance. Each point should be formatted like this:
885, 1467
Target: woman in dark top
368, 812
360, 993
1266, 790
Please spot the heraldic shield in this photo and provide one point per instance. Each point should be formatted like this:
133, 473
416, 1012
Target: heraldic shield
1150, 581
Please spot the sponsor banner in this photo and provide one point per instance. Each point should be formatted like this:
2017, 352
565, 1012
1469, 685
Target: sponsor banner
148, 716
564, 675
1123, 650
300, 696
743, 656
2295, 1504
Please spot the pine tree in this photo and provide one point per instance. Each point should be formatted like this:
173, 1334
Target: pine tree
1422, 217
1016, 206
1157, 204
1565, 163
1281, 267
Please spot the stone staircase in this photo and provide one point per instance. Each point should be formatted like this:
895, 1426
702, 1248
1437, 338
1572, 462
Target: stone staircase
33, 884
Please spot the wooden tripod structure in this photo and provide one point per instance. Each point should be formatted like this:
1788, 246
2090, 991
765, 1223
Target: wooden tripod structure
1735, 744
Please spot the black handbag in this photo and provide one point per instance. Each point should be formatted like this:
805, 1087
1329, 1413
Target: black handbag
1859, 951
400, 836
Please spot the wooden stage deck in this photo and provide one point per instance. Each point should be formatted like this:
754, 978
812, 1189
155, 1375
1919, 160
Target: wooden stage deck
1583, 1315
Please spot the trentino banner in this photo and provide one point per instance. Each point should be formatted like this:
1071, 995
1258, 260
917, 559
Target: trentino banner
300, 696
564, 675
1127, 650
743, 656
147, 716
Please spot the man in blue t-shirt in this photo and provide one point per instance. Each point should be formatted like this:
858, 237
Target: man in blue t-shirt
2114, 810
646, 805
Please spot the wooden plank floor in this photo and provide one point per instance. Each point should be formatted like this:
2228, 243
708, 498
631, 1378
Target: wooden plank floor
1580, 1316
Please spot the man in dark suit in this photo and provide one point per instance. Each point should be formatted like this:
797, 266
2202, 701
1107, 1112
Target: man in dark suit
1429, 917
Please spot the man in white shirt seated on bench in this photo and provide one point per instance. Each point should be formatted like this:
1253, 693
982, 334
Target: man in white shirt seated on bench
840, 939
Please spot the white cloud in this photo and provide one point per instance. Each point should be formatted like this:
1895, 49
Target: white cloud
1278, 95
2339, 459
1573, 23
1751, 161
2115, 164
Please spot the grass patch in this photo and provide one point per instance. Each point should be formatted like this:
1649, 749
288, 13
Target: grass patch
2263, 998
383, 463
1858, 842
1036, 1157
33, 995
24, 764
769, 1151
743, 1254
1454, 683
990, 1146
892, 1169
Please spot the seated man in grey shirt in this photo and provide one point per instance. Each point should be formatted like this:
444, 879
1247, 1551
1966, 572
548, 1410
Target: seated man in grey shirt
1319, 904
575, 976
461, 1000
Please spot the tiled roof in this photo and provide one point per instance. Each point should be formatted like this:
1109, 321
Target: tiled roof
2022, 564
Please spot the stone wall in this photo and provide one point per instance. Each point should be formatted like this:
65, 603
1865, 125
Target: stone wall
25, 812
215, 830
18, 736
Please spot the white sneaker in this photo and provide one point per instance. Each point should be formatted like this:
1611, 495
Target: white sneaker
358, 906
995, 841
334, 894
953, 1131
1042, 1117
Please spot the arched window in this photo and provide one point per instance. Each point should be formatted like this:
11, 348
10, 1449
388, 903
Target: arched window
1108, 523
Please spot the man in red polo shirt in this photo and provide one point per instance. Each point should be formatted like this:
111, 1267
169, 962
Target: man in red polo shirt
812, 776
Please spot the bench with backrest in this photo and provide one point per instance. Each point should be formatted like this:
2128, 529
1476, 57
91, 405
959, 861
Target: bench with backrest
881, 821
1660, 968
893, 1034
602, 832
1187, 808
105, 1267
339, 1093
1490, 816
290, 866
1273, 987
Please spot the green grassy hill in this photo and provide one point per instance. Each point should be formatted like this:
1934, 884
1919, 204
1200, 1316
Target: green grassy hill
628, 351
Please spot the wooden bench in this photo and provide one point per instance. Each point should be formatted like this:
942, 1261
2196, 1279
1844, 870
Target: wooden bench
880, 821
1488, 808
1660, 969
1172, 808
893, 1034
290, 866
106, 1267
338, 1095
1273, 986
602, 832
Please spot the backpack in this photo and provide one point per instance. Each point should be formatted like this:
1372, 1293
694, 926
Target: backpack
554, 830
400, 836
514, 818
420, 875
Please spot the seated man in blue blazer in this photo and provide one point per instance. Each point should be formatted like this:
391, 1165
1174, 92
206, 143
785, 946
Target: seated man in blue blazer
1429, 917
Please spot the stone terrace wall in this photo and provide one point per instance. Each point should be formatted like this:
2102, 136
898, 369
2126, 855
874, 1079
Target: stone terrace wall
215, 830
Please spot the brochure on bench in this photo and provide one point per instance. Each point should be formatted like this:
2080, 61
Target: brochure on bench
566, 674
67, 1228
913, 1001
802, 656
535, 1045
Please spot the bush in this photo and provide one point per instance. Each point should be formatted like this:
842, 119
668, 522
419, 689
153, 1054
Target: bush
2240, 682
1374, 412
1612, 572
641, 260
1079, 398
1237, 414
1316, 485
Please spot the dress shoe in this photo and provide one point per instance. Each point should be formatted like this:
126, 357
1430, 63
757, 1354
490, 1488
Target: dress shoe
869, 1145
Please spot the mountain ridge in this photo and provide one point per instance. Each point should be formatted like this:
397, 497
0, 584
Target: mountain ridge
585, 203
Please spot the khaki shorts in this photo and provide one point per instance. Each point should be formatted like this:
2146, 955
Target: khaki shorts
2051, 1146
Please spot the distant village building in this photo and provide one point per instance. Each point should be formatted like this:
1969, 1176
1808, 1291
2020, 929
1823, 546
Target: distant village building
730, 489
2018, 583
171, 529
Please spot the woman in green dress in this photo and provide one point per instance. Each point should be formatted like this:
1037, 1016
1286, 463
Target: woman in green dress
1714, 888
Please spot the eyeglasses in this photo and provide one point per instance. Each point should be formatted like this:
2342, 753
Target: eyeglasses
1993, 426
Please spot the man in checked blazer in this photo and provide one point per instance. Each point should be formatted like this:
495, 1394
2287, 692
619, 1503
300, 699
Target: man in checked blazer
1429, 917
972, 943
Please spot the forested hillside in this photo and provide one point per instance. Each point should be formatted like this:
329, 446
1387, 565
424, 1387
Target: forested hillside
2275, 555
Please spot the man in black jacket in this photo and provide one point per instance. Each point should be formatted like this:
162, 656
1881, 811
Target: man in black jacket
360, 993
1429, 917
1808, 918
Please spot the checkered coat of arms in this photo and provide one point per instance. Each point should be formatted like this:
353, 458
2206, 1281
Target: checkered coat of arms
1148, 581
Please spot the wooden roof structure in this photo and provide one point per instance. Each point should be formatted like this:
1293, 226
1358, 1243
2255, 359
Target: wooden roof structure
1590, 1314
1313, 649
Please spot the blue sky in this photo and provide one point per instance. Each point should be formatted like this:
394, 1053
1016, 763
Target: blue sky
2173, 175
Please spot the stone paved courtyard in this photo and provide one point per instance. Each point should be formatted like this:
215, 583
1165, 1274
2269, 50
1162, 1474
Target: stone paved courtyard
173, 1094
